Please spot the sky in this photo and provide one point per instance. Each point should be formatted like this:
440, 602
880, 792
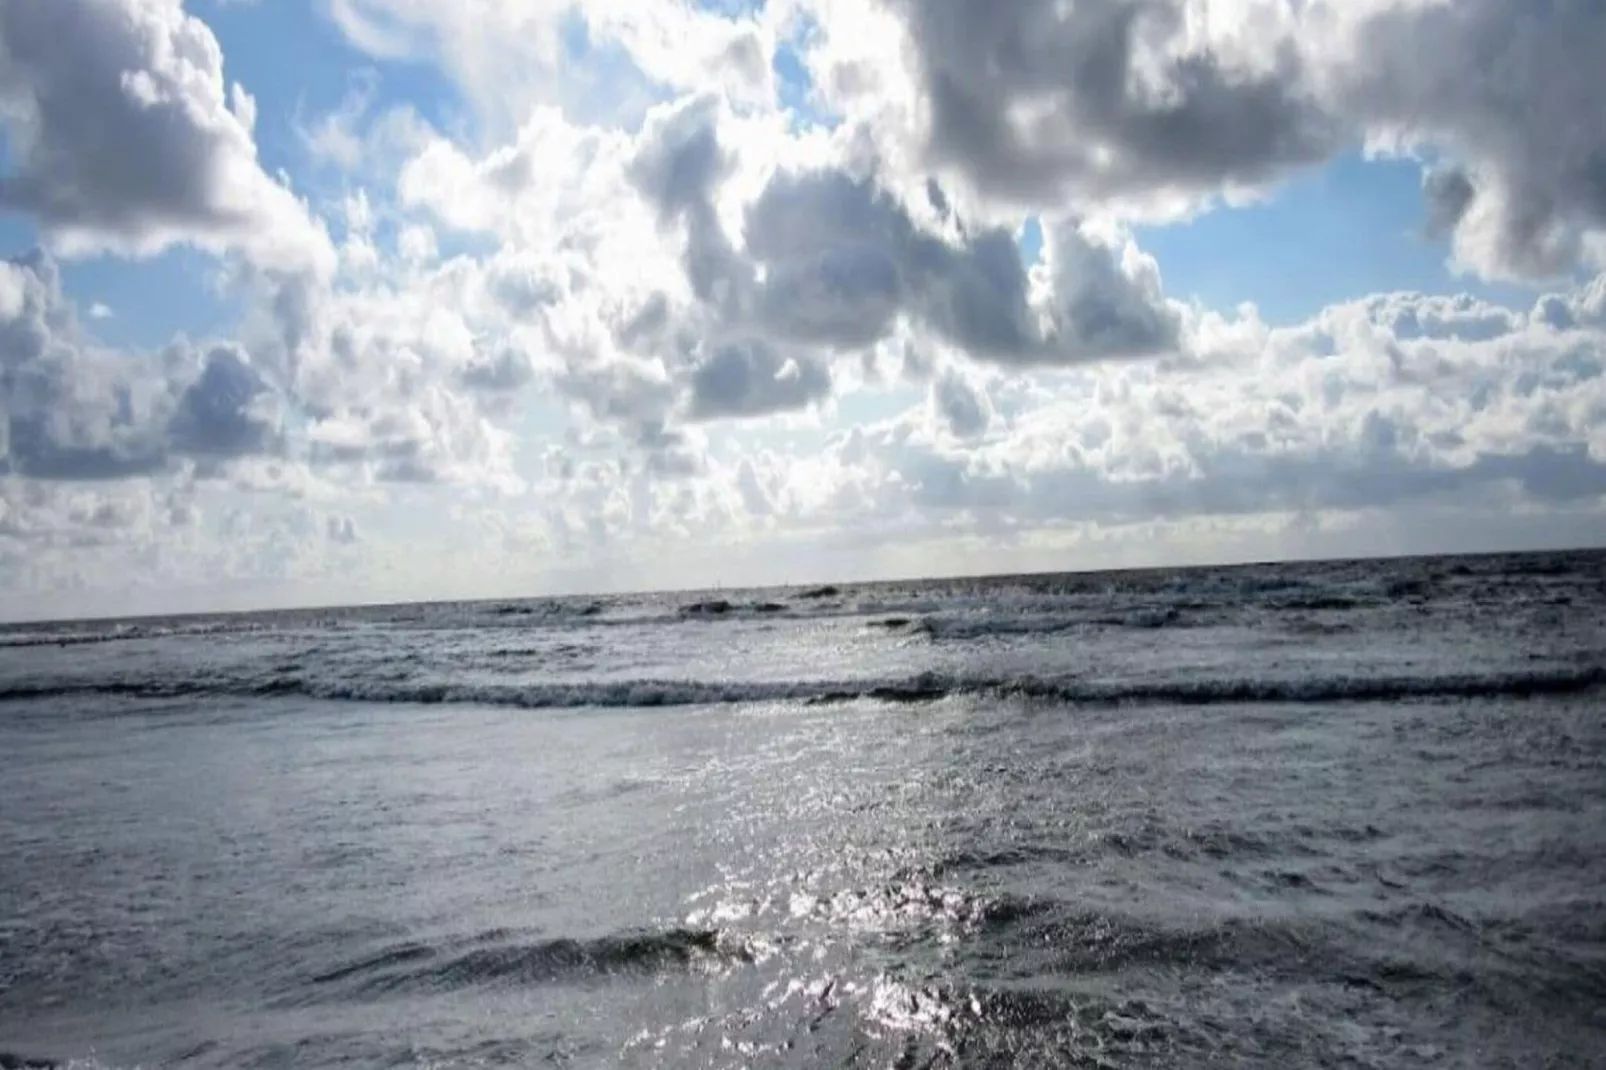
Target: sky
315, 301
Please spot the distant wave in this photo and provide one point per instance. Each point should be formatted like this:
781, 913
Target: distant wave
944, 610
927, 687
980, 626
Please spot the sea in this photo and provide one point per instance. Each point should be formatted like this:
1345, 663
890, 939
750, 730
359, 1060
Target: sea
1339, 814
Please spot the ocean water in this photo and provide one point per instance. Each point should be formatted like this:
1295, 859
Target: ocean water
1343, 814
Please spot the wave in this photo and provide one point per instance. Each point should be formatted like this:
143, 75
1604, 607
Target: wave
922, 688
423, 967
977, 627
12, 1061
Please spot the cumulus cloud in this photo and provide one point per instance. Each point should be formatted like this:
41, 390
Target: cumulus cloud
842, 259
1155, 107
124, 136
1370, 405
1379, 406
587, 319
964, 410
1509, 92
1143, 106
227, 411
753, 378
1103, 99
829, 262
73, 411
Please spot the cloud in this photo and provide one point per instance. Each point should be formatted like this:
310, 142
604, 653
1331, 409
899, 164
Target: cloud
965, 411
70, 413
510, 57
842, 259
405, 381
689, 272
1398, 405
123, 136
1361, 408
504, 371
586, 329
341, 529
1101, 297
1155, 108
1144, 107
358, 137
228, 411
753, 378
829, 262
76, 412
1040, 102
1509, 93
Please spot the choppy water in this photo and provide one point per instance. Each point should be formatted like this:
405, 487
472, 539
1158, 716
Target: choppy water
1299, 815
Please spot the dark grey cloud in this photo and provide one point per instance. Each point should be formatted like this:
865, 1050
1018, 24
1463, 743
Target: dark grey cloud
961, 408
625, 393
121, 132
1098, 311
222, 413
68, 415
75, 412
97, 150
732, 371
1099, 128
679, 159
647, 322
835, 252
844, 297
751, 377
402, 459
976, 297
678, 166
1511, 93
1048, 103
1583, 308
1394, 403
842, 258
669, 451
1449, 193
522, 289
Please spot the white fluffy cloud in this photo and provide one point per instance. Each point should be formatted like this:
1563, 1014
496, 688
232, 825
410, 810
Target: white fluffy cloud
649, 307
1376, 405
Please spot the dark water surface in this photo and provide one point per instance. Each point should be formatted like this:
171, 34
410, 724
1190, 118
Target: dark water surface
1348, 815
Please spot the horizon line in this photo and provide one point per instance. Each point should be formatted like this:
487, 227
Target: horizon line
642, 592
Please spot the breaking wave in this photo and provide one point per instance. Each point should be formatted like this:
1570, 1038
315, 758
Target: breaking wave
922, 688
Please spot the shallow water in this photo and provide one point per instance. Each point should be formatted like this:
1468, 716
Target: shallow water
1319, 815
